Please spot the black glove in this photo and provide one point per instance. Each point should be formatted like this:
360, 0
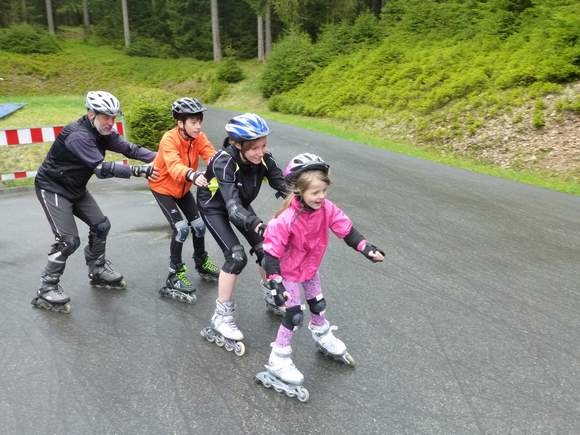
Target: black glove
277, 290
142, 170
369, 247
261, 228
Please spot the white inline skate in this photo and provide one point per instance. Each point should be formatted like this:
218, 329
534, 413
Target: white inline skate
330, 345
282, 375
222, 329
178, 286
269, 299
51, 297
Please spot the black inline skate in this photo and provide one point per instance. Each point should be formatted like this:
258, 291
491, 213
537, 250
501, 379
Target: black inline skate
178, 286
50, 296
102, 274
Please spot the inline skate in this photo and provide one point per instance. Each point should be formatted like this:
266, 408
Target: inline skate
269, 300
282, 375
330, 345
50, 296
222, 329
102, 274
178, 286
207, 269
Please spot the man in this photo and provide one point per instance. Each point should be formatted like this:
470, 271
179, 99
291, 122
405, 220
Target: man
61, 187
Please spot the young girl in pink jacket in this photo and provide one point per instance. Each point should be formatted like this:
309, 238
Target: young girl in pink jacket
294, 245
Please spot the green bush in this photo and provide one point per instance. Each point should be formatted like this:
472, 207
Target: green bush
290, 62
147, 121
149, 47
26, 39
229, 71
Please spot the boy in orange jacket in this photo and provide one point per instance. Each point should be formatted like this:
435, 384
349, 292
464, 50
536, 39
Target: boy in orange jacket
177, 162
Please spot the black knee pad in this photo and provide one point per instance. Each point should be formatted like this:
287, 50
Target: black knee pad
180, 231
66, 245
259, 251
197, 227
236, 260
102, 228
317, 305
293, 317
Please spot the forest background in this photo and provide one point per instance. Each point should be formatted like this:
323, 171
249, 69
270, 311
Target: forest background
488, 85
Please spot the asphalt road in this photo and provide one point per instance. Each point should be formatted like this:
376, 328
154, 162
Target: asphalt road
471, 325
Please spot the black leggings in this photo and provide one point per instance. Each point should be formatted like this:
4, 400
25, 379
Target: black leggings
171, 207
221, 229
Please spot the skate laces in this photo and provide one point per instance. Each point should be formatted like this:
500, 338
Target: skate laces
181, 276
209, 266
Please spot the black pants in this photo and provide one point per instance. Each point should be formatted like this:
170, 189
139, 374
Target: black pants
221, 229
61, 212
171, 206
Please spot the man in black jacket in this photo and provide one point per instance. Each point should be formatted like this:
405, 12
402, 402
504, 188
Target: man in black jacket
61, 187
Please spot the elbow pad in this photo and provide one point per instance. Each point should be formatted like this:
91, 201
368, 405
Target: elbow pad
353, 238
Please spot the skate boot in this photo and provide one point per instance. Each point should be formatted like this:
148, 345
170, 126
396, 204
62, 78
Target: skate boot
207, 269
222, 329
178, 286
282, 375
329, 345
269, 299
102, 274
51, 297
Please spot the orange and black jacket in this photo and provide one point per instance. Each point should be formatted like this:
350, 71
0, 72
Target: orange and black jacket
176, 157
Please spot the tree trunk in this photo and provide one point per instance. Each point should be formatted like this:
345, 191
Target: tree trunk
260, 38
49, 16
86, 17
215, 31
377, 6
126, 31
23, 11
268, 29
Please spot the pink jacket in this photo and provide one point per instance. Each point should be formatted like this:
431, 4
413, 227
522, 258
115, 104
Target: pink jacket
299, 238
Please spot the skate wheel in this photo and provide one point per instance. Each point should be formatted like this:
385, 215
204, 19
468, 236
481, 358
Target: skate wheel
349, 360
229, 347
303, 394
220, 341
66, 308
240, 349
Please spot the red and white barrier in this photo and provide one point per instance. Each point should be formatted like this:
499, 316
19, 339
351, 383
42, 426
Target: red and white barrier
27, 136
17, 175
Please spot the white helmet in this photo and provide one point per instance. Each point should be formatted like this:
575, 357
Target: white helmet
103, 102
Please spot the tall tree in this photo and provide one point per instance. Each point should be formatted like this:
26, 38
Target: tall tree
268, 28
126, 31
215, 31
49, 16
86, 16
261, 54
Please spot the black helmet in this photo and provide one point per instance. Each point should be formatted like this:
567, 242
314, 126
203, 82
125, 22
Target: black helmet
304, 162
187, 106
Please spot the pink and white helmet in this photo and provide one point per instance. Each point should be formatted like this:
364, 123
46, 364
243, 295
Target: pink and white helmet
304, 162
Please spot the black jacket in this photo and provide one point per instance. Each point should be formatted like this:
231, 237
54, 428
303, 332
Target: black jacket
76, 153
234, 184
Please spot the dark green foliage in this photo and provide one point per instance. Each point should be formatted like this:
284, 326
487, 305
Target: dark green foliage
147, 121
25, 39
433, 60
229, 71
149, 47
289, 64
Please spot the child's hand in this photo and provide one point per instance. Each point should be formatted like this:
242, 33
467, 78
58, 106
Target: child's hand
200, 181
373, 253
